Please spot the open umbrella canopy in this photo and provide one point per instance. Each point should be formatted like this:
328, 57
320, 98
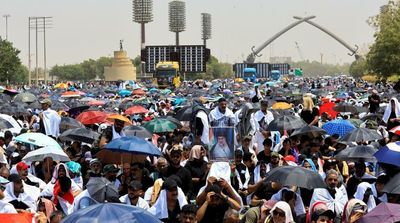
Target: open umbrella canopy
286, 122
55, 153
160, 125
395, 130
338, 126
383, 213
389, 154
37, 139
357, 153
124, 92
80, 135
25, 97
361, 135
111, 213
69, 123
136, 109
345, 107
184, 113
120, 118
393, 186
281, 106
91, 117
101, 190
295, 176
4, 124
311, 131
133, 144
328, 108
137, 131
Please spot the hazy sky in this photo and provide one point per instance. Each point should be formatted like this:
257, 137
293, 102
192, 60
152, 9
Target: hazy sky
92, 28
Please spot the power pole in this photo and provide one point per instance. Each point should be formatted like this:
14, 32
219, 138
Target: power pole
6, 16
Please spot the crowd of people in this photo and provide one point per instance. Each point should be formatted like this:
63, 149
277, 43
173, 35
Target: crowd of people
195, 180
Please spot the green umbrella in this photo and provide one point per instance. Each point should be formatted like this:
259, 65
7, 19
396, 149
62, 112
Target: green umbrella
160, 125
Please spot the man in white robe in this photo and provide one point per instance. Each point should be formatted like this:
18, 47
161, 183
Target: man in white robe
49, 120
259, 122
222, 116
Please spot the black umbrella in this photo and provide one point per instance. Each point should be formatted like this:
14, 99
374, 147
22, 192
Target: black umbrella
4, 124
357, 153
311, 131
393, 186
345, 107
101, 189
80, 135
286, 122
69, 123
373, 117
137, 131
361, 135
295, 176
184, 113
59, 106
25, 97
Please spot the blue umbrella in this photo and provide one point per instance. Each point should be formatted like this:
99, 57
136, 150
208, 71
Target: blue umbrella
389, 154
133, 144
124, 92
152, 90
338, 126
111, 213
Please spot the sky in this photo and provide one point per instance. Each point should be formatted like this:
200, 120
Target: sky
89, 29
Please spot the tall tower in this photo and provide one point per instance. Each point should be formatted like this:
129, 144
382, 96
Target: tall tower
205, 27
177, 18
142, 13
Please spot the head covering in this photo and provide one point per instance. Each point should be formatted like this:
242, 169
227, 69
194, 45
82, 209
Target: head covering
298, 206
361, 188
195, 152
55, 172
320, 209
285, 208
388, 110
88, 156
93, 161
311, 164
351, 206
74, 167
110, 168
49, 207
269, 204
22, 166
160, 208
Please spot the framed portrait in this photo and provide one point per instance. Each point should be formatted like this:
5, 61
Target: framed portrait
222, 144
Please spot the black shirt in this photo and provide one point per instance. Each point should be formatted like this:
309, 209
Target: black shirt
197, 169
265, 191
185, 177
308, 116
215, 214
173, 216
262, 157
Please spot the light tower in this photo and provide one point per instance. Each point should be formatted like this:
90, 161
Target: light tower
142, 13
205, 27
177, 18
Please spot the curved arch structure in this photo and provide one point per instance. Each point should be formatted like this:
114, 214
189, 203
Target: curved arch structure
251, 58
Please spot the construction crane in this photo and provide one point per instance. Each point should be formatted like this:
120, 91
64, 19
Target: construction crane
299, 51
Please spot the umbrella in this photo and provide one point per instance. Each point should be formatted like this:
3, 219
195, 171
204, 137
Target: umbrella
71, 94
393, 186
295, 176
328, 108
101, 189
281, 106
345, 107
4, 124
184, 113
138, 92
69, 123
111, 213
58, 105
354, 154
124, 93
383, 213
137, 131
361, 135
25, 97
172, 119
80, 134
37, 139
61, 85
311, 131
133, 144
136, 109
120, 118
389, 154
160, 125
338, 126
16, 127
286, 122
54, 152
373, 116
395, 130
96, 103
91, 117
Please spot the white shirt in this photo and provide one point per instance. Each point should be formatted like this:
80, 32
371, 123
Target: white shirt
7, 208
141, 202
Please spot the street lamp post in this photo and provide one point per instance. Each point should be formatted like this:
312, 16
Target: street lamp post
6, 16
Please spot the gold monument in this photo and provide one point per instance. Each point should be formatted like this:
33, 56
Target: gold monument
121, 67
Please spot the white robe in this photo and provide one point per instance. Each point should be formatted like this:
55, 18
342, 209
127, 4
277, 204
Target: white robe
160, 208
359, 194
205, 138
334, 204
216, 116
51, 122
255, 119
29, 197
141, 202
7, 208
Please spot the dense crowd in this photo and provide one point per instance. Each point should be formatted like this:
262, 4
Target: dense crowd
218, 145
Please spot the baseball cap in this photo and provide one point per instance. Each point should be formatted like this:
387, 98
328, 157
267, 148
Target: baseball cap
22, 166
46, 101
110, 168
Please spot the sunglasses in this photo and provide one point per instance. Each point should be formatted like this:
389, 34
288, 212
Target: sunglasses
278, 213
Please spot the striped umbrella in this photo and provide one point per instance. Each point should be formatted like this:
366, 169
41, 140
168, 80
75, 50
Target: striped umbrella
389, 154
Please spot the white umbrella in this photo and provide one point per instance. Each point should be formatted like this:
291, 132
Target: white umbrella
16, 129
37, 139
48, 151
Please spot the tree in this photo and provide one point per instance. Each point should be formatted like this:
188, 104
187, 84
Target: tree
9, 61
137, 62
384, 55
358, 68
101, 63
90, 69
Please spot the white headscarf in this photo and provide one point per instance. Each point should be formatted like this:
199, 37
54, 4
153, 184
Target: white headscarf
286, 208
160, 208
388, 110
29, 197
361, 188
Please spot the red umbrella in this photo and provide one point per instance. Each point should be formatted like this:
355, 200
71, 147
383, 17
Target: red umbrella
328, 108
136, 109
92, 117
396, 130
138, 92
96, 103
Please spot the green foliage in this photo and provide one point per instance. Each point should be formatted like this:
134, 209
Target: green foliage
10, 64
384, 55
358, 68
217, 70
137, 63
315, 68
87, 70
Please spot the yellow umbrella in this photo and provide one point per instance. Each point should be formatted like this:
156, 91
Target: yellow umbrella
119, 117
281, 106
61, 85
